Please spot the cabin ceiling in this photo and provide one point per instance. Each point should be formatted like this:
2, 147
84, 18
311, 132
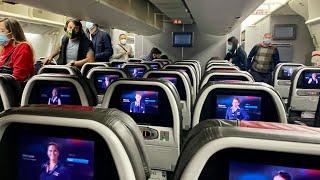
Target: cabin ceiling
174, 9
219, 17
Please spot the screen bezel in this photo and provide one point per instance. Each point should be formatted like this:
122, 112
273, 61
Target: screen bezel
36, 91
10, 147
218, 166
302, 85
208, 110
174, 34
220, 96
165, 116
102, 73
281, 71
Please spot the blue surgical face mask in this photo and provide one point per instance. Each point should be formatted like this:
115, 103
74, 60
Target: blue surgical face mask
89, 25
4, 40
267, 41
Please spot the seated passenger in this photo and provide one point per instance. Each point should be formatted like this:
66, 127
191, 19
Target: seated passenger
236, 55
137, 106
16, 57
164, 56
54, 100
53, 169
315, 60
154, 54
123, 51
313, 79
263, 59
76, 49
101, 42
235, 112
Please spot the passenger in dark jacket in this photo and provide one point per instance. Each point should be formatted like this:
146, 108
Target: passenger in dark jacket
236, 55
76, 49
101, 42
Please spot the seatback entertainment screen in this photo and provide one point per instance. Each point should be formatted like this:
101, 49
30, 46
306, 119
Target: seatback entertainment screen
102, 82
312, 79
287, 72
58, 95
136, 72
140, 102
171, 79
238, 107
250, 171
46, 158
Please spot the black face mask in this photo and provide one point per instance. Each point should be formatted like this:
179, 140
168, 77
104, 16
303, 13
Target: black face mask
72, 34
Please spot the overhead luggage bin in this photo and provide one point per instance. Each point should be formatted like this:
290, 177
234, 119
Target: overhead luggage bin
218, 149
249, 101
155, 107
90, 144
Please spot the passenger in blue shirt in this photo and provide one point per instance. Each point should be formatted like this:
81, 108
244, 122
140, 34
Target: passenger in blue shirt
137, 106
53, 169
235, 112
101, 42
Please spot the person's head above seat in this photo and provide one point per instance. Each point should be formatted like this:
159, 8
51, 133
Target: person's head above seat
73, 28
267, 39
155, 53
92, 27
123, 39
232, 43
11, 32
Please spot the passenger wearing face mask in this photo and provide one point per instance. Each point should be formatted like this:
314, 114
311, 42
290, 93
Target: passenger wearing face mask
76, 49
236, 55
16, 57
262, 60
123, 51
101, 42
155, 53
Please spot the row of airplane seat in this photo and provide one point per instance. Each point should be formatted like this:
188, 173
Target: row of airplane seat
163, 105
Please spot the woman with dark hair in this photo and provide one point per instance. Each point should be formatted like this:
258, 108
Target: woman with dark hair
53, 168
236, 55
17, 56
76, 49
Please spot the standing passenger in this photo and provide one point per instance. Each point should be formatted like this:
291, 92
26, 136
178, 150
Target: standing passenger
101, 42
262, 60
236, 55
17, 56
76, 49
123, 51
